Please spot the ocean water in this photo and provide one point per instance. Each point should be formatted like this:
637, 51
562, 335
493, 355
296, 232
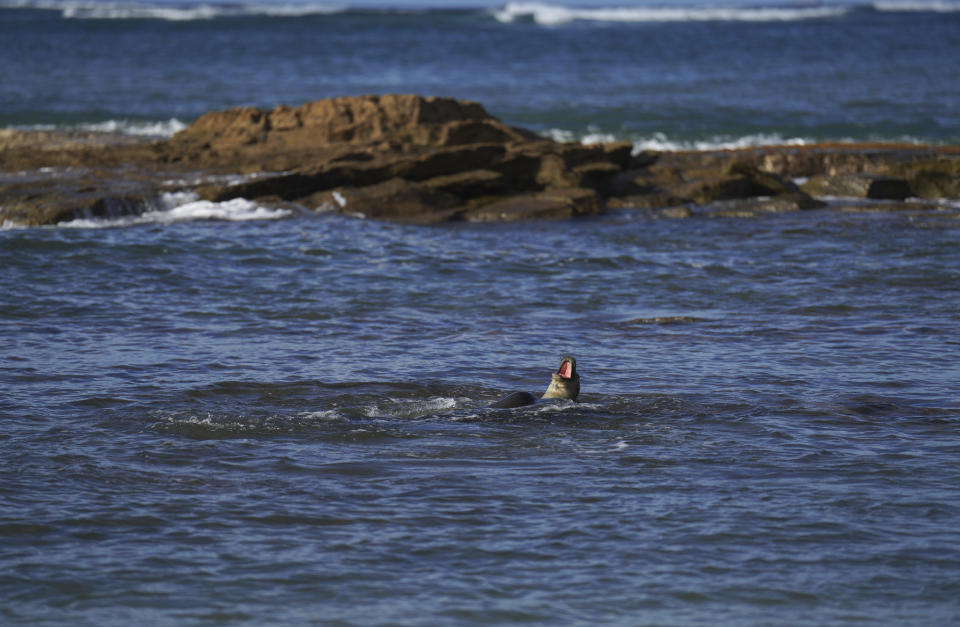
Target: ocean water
664, 76
225, 413
284, 421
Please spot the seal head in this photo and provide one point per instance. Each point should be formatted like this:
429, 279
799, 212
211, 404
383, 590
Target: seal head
565, 382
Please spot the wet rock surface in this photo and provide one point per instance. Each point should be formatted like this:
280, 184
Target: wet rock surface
425, 160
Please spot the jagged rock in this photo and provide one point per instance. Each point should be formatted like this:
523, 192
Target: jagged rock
402, 118
447, 161
701, 180
736, 208
405, 157
396, 199
910, 206
808, 161
554, 172
596, 175
56, 206
41, 209
651, 200
938, 178
753, 207
858, 186
619, 153
741, 180
550, 204
470, 184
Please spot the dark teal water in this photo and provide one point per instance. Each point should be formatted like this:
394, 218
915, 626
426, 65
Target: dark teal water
704, 75
284, 422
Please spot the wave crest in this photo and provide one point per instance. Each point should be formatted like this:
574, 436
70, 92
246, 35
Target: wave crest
552, 15
185, 12
186, 207
662, 142
917, 6
542, 13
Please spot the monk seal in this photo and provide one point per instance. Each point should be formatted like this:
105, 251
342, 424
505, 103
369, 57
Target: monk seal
564, 384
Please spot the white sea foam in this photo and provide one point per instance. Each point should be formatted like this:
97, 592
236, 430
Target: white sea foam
186, 207
560, 406
539, 12
161, 128
946, 203
592, 136
118, 10
660, 142
328, 415
918, 6
410, 408
553, 15
141, 128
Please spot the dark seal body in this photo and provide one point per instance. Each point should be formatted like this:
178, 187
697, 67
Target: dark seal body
517, 399
564, 384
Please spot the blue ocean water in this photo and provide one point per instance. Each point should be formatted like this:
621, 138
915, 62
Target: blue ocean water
663, 76
225, 413
284, 421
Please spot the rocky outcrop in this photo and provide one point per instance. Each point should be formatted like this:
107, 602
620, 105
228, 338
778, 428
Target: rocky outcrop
476, 181
406, 119
932, 178
401, 157
860, 185
416, 159
870, 171
704, 180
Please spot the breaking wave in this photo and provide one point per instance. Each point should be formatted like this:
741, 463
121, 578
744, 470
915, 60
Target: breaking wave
186, 207
662, 142
139, 128
919, 6
161, 128
180, 12
541, 13
550, 14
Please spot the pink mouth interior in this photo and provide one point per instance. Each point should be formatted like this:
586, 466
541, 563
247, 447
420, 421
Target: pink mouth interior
565, 370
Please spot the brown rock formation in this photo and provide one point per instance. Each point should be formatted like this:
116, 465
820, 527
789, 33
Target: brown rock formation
333, 129
858, 186
702, 179
404, 157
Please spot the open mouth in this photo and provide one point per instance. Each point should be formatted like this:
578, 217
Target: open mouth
566, 370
